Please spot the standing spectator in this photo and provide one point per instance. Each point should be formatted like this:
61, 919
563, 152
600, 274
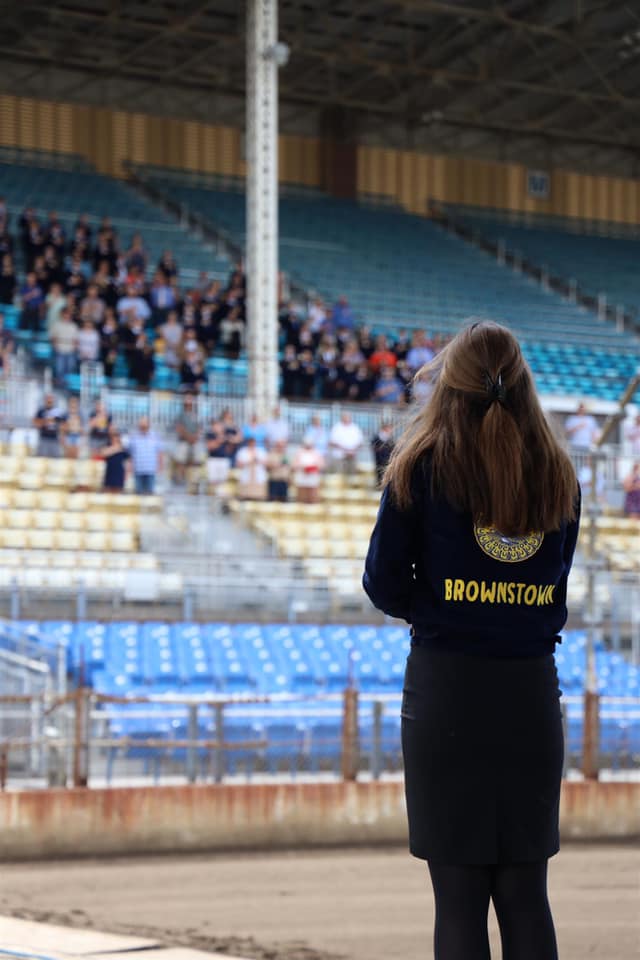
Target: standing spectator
64, 337
276, 429
218, 459
167, 264
100, 421
402, 345
308, 464
189, 450
55, 302
382, 356
382, 446
88, 342
136, 256
7, 345
278, 471
632, 437
141, 362
233, 437
345, 440
109, 342
581, 428
171, 333
232, 333
145, 447
92, 307
631, 487
252, 480
362, 384
257, 429
290, 371
32, 296
8, 282
72, 430
389, 388
48, 421
133, 302
162, 297
420, 352
115, 459
343, 315
316, 436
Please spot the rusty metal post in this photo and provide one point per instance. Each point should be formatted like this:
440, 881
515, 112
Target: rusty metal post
218, 760
81, 738
591, 739
192, 752
350, 751
376, 740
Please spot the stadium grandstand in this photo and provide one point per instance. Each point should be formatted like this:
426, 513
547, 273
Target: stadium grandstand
210, 336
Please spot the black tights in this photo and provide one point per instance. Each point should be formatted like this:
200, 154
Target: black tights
519, 894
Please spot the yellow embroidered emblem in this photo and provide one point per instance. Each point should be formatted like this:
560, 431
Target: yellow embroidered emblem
507, 549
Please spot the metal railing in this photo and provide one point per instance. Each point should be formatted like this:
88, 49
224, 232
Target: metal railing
85, 738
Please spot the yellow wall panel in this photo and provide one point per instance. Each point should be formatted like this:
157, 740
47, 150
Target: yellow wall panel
8, 120
26, 115
45, 121
63, 127
119, 140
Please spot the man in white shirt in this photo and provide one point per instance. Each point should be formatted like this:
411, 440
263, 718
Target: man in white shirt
345, 441
581, 428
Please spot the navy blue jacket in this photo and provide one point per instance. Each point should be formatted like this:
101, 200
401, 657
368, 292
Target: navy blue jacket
464, 587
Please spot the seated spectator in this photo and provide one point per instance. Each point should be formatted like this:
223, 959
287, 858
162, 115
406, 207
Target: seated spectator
100, 422
52, 264
193, 376
382, 446
290, 372
72, 430
345, 441
8, 282
218, 459
107, 289
233, 437
327, 359
92, 307
307, 375
191, 349
366, 342
171, 333
308, 464
34, 242
88, 342
48, 421
389, 388
32, 296
64, 339
54, 234
82, 233
420, 352
402, 345
188, 450
317, 316
75, 278
115, 460
631, 486
278, 472
252, 476
145, 448
7, 346
133, 303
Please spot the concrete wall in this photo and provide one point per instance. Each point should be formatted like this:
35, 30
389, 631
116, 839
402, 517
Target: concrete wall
49, 823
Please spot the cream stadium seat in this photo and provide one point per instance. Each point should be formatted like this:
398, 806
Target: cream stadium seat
123, 540
99, 521
72, 520
6, 497
69, 540
25, 499
18, 519
76, 501
96, 540
42, 539
51, 500
45, 519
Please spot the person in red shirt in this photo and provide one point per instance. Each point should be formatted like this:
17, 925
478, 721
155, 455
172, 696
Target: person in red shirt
382, 356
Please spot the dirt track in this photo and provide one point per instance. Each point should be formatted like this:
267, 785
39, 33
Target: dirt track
363, 905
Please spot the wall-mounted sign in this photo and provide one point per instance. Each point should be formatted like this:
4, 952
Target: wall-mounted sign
538, 184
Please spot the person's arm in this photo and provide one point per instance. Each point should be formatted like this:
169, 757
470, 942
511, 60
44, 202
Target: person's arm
388, 573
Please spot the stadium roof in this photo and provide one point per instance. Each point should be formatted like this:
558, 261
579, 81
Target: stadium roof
516, 75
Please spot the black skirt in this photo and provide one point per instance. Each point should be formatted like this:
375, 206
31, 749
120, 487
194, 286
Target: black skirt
483, 753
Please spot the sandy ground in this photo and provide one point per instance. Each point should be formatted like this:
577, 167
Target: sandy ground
361, 905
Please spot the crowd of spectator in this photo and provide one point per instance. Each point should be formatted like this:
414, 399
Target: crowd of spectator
95, 302
263, 453
326, 356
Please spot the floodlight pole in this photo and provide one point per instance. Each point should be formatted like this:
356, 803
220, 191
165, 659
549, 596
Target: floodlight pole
262, 203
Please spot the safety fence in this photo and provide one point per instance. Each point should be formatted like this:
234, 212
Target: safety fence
85, 738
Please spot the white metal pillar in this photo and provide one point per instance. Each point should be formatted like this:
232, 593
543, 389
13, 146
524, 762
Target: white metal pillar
262, 203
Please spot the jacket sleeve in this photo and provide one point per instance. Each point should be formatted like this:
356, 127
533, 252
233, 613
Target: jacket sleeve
388, 574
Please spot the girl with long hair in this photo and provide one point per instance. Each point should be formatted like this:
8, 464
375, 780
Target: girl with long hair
472, 546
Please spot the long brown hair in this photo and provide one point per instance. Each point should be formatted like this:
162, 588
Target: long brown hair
493, 453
